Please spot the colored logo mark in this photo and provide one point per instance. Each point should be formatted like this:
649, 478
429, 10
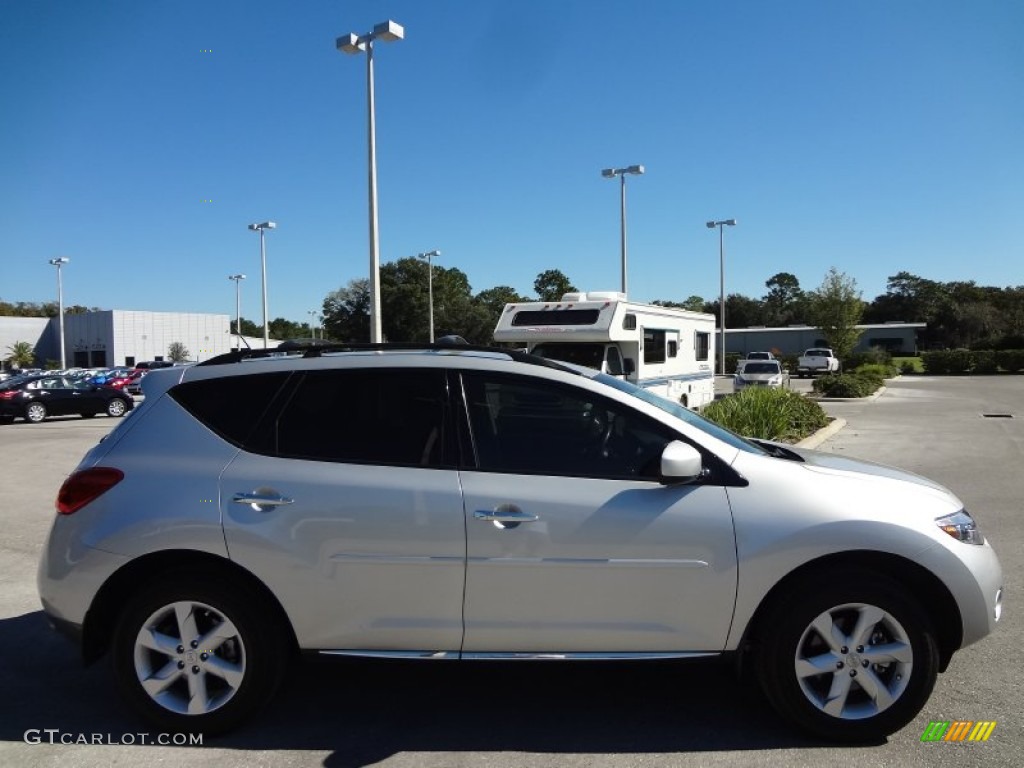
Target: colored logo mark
959, 730
206, 50
206, 201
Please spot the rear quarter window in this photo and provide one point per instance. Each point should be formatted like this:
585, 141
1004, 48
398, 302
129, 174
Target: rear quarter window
231, 406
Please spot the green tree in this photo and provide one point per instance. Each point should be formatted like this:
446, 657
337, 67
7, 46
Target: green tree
347, 312
21, 355
551, 284
490, 303
177, 352
740, 311
785, 302
836, 308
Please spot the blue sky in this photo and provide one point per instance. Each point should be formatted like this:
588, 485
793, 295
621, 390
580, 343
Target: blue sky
874, 136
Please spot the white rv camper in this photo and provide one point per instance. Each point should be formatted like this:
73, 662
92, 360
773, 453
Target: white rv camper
668, 351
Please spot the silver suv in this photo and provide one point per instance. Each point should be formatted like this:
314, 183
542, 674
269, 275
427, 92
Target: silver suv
459, 502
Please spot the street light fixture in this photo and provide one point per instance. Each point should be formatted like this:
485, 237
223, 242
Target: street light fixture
263, 264
314, 315
238, 306
388, 31
430, 286
58, 263
721, 279
611, 173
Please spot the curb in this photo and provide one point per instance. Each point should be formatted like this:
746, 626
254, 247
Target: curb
822, 434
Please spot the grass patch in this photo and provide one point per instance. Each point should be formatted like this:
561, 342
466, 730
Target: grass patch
768, 414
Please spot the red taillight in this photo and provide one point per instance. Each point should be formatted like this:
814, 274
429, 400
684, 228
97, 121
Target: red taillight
8, 394
82, 487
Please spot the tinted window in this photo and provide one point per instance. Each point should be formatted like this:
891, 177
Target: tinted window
556, 317
230, 406
379, 416
533, 427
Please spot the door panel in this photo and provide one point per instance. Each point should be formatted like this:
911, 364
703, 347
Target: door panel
606, 558
365, 557
608, 566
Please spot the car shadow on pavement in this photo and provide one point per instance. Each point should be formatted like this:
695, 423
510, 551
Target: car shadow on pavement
366, 711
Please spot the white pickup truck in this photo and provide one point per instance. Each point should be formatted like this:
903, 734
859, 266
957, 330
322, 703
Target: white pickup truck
817, 360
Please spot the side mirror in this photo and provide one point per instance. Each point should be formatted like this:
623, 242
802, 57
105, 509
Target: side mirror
628, 366
680, 463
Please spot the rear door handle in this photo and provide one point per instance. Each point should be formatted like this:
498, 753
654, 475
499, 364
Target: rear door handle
258, 500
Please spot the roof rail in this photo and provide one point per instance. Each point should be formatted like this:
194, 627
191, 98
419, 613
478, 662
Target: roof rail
310, 349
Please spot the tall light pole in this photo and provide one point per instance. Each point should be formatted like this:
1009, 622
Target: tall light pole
388, 31
721, 280
263, 264
430, 286
238, 307
313, 314
611, 173
58, 263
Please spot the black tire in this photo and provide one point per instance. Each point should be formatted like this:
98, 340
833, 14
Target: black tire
790, 644
117, 407
237, 676
35, 412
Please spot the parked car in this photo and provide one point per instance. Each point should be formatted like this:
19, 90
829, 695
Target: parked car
35, 398
760, 373
476, 503
759, 356
817, 360
152, 365
134, 384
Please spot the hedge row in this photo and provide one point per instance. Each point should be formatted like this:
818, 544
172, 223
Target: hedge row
962, 361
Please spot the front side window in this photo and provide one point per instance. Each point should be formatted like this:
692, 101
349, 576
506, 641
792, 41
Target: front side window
371, 416
529, 426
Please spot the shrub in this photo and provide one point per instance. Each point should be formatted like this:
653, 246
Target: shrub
984, 361
907, 367
951, 361
731, 359
882, 371
768, 414
847, 385
1011, 360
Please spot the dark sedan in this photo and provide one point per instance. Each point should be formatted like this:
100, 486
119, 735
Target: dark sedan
34, 398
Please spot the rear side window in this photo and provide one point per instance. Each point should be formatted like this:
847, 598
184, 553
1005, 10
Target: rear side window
375, 416
231, 406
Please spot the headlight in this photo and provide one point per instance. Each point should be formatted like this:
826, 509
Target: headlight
961, 526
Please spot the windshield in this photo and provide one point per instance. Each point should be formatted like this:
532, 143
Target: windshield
685, 414
587, 355
761, 368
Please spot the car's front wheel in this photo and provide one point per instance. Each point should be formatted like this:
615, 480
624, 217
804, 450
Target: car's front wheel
197, 656
850, 658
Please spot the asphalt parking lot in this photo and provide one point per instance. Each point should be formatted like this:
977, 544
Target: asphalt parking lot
534, 714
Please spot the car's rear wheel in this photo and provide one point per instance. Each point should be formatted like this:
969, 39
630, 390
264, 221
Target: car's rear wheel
117, 407
35, 412
195, 655
851, 658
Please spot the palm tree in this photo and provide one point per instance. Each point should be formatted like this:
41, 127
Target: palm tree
21, 355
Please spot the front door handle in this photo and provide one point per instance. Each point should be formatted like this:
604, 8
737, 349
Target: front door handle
505, 513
